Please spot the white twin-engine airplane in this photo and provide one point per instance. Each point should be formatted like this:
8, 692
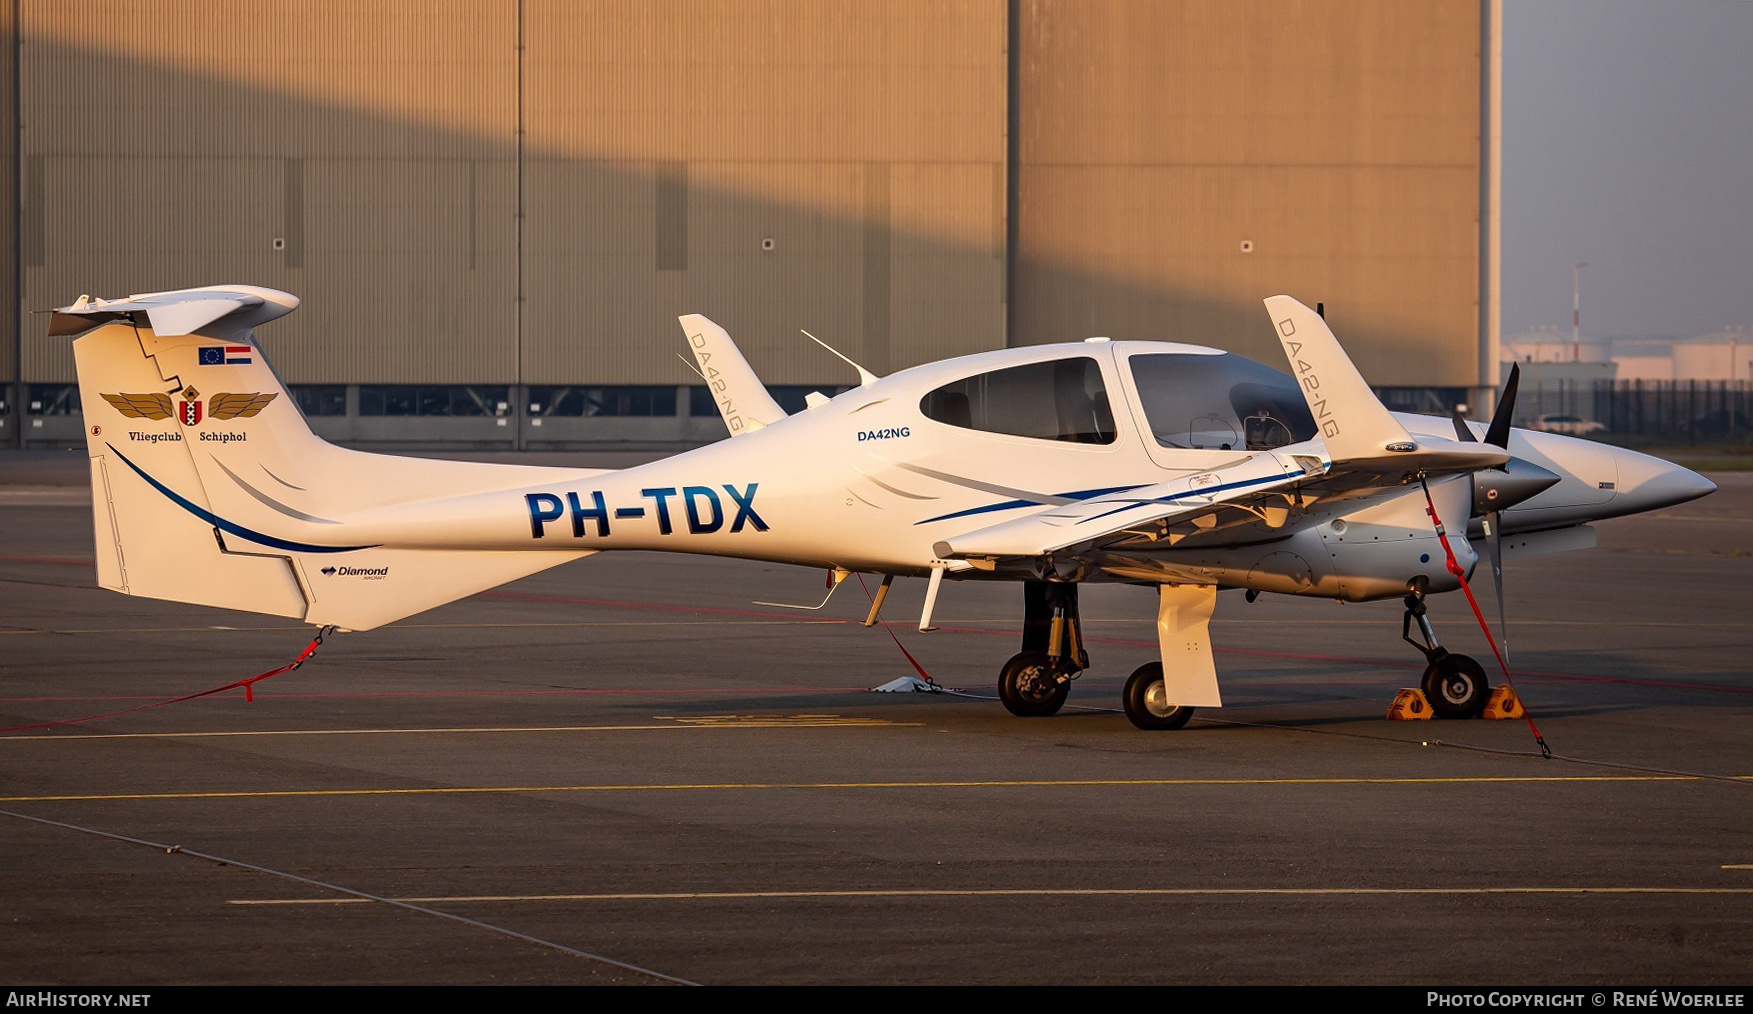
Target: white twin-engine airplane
1150, 463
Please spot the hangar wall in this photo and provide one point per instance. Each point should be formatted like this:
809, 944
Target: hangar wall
1179, 161
13, 347
514, 198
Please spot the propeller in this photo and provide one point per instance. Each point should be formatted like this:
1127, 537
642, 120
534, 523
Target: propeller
1498, 434
1518, 481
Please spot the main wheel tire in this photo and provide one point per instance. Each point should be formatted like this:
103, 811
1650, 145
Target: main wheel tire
1147, 700
1456, 687
1029, 685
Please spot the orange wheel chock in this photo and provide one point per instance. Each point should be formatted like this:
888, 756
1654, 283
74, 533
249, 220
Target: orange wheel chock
1503, 704
1410, 706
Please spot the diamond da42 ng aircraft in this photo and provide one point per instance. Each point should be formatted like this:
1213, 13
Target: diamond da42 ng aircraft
1171, 465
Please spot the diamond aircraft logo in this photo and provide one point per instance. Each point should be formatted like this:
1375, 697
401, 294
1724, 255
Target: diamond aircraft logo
368, 573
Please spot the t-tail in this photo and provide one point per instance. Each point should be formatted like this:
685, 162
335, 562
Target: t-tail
208, 486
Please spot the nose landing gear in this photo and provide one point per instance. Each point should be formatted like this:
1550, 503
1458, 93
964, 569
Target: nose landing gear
1454, 684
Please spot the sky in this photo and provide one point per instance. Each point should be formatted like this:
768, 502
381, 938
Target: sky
1628, 145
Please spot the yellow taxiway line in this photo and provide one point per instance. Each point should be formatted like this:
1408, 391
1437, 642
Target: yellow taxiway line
1049, 892
767, 786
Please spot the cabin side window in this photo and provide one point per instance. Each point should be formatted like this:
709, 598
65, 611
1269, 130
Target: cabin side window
1058, 400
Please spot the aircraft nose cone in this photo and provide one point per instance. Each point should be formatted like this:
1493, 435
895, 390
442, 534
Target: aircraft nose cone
1648, 483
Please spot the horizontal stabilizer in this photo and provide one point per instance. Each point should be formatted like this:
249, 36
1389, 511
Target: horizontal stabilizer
217, 310
371, 587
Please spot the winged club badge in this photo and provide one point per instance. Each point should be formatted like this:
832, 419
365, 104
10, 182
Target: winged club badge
190, 410
237, 406
141, 406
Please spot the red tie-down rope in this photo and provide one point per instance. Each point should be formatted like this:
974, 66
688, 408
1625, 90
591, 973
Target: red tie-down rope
933, 684
1460, 575
248, 684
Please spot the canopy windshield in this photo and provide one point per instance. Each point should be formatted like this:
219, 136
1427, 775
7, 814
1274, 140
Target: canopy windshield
1219, 402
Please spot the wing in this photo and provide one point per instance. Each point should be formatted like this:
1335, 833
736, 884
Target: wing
231, 406
742, 399
141, 406
1264, 496
1259, 489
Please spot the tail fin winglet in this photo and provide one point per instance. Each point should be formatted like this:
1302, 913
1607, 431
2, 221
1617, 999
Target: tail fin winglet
742, 399
1352, 421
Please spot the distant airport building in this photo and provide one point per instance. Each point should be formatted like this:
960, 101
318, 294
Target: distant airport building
1721, 355
494, 210
1550, 344
1559, 374
1630, 389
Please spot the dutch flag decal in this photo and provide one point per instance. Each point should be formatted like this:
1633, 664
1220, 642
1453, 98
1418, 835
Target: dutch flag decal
225, 355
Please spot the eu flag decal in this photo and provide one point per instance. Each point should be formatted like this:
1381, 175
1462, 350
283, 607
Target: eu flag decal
227, 355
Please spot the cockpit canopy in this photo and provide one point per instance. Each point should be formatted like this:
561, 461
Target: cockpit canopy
1211, 401
1219, 402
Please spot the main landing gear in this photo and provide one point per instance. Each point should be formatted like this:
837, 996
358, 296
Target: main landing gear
1455, 685
1036, 680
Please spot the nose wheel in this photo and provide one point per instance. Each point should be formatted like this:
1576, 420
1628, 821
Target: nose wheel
1147, 700
1455, 685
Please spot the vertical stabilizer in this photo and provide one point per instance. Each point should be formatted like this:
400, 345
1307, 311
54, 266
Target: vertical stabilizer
147, 543
209, 487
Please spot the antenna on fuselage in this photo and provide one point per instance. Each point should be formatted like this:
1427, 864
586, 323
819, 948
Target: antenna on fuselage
864, 375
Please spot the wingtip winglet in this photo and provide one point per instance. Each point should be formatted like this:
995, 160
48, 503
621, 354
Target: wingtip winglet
1349, 417
743, 401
